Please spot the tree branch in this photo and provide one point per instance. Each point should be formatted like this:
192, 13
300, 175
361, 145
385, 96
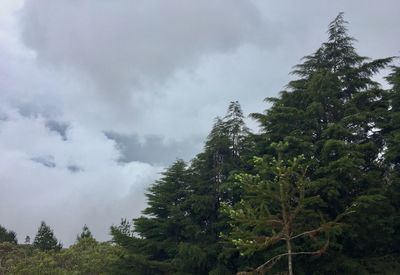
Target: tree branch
268, 264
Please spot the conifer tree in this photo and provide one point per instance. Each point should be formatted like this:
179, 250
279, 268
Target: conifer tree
27, 240
224, 153
7, 235
272, 213
391, 126
180, 227
85, 234
45, 239
330, 114
153, 241
392, 156
236, 129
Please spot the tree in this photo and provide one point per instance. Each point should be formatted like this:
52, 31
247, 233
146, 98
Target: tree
391, 124
7, 235
27, 240
163, 228
331, 115
84, 234
237, 130
45, 239
224, 154
85, 257
179, 231
274, 207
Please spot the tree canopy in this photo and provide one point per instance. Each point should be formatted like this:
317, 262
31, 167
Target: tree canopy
45, 239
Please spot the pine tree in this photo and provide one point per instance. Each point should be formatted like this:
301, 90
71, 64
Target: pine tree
391, 126
272, 213
27, 240
224, 154
45, 239
153, 241
179, 231
330, 114
85, 234
236, 129
7, 235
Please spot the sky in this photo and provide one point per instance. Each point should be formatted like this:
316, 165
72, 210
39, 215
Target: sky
98, 97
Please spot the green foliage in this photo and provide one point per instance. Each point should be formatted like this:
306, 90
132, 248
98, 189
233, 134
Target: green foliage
85, 234
164, 226
277, 209
341, 120
87, 256
10, 256
7, 235
179, 231
45, 239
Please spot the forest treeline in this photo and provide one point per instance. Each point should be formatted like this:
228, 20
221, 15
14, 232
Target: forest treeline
315, 191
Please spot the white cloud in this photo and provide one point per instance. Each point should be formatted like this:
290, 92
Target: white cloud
99, 194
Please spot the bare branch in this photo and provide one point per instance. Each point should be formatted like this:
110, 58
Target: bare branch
270, 263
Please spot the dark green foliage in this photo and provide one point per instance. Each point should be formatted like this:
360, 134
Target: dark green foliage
45, 239
277, 214
333, 115
84, 234
180, 230
163, 228
7, 235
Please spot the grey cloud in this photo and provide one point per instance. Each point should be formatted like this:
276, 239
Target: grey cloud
79, 179
3, 117
74, 168
58, 127
125, 43
154, 149
47, 161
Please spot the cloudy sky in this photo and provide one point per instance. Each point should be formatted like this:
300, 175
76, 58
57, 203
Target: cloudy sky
98, 96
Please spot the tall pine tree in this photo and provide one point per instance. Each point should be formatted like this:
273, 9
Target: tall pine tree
330, 115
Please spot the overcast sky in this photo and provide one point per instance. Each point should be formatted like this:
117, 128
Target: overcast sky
98, 96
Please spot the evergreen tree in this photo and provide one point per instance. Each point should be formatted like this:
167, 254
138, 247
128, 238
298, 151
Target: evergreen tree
392, 157
342, 123
391, 125
85, 233
7, 235
164, 227
224, 154
273, 210
27, 240
237, 130
331, 116
45, 239
181, 226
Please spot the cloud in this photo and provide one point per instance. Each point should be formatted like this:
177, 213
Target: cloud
66, 182
152, 74
155, 149
47, 161
58, 127
122, 44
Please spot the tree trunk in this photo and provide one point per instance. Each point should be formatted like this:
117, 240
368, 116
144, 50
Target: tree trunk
289, 250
